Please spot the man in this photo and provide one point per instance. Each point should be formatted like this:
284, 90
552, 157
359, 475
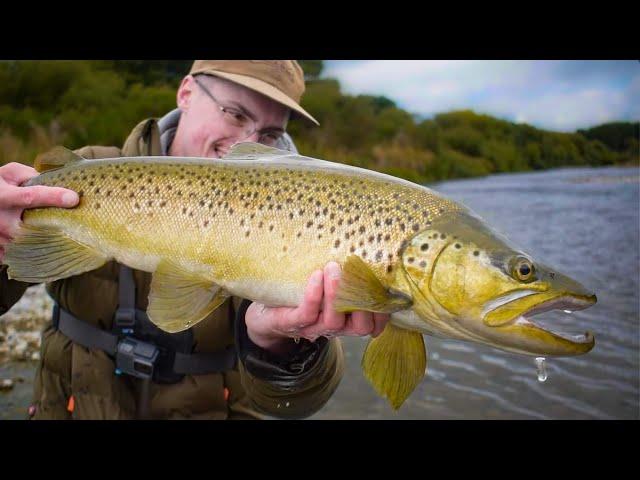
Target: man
244, 360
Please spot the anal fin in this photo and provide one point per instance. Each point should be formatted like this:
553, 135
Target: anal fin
41, 254
395, 362
178, 298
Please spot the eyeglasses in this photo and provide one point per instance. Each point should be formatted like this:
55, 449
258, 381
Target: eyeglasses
239, 120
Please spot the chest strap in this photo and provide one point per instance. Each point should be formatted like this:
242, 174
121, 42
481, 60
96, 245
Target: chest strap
92, 337
132, 343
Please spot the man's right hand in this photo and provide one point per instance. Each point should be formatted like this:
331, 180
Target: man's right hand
15, 199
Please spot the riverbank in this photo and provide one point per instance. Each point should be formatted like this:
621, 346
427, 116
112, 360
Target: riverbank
20, 331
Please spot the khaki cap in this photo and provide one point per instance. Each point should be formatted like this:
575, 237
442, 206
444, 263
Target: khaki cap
280, 80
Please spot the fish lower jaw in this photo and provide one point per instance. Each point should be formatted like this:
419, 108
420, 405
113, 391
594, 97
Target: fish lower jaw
584, 338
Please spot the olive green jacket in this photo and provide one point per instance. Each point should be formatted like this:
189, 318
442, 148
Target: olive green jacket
260, 383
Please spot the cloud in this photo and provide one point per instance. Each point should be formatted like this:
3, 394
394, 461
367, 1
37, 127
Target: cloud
555, 95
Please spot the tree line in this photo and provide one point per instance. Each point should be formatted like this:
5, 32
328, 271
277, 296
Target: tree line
77, 103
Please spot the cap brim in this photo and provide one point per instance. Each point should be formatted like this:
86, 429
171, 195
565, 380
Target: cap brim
265, 89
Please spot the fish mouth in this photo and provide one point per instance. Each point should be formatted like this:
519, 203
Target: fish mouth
532, 338
565, 303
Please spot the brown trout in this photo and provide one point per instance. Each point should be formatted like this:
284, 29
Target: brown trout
258, 222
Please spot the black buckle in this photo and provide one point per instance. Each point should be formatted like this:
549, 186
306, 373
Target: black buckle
136, 358
125, 317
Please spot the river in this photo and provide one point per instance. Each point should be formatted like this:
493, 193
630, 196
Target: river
584, 222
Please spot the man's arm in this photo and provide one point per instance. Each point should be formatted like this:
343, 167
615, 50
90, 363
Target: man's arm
14, 199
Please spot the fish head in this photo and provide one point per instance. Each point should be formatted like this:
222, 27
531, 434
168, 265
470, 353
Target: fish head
469, 282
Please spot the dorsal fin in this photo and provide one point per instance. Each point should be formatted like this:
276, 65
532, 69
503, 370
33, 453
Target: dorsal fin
251, 150
55, 158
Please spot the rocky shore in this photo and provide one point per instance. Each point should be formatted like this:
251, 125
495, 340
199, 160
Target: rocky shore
20, 330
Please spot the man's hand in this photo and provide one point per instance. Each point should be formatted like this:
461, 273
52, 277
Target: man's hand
14, 199
272, 328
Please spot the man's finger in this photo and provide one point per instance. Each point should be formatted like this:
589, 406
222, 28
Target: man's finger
307, 313
380, 320
16, 173
38, 196
362, 323
332, 321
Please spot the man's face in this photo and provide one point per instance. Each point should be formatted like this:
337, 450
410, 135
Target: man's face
205, 132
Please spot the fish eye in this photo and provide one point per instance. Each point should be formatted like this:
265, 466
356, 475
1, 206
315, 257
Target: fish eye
523, 270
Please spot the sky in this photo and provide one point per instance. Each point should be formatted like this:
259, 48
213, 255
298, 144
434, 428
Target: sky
560, 95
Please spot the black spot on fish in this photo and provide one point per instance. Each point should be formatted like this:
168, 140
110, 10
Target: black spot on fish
423, 264
389, 268
458, 246
443, 236
476, 253
415, 227
410, 259
424, 246
336, 243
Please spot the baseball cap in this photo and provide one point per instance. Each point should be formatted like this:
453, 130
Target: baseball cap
280, 80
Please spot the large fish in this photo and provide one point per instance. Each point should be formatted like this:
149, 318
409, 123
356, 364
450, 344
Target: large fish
257, 223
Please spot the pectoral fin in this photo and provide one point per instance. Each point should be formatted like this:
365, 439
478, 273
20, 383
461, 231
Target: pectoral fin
178, 299
395, 362
39, 254
360, 289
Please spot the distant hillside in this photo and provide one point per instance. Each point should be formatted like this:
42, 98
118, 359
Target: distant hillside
622, 137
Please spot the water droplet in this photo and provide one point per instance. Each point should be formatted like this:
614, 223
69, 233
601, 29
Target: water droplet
278, 406
542, 369
287, 404
568, 311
